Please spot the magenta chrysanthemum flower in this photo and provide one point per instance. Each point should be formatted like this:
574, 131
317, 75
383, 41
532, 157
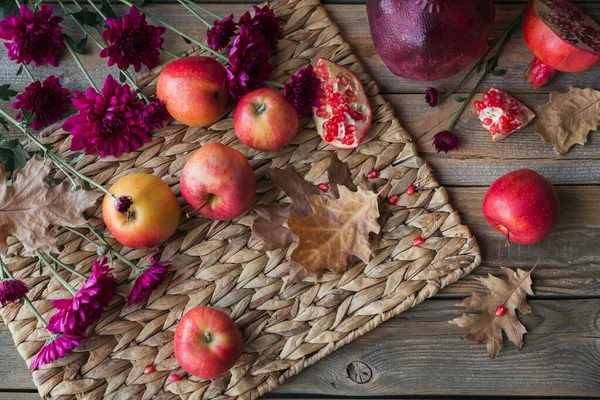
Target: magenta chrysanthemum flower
155, 115
32, 36
132, 41
46, 100
220, 34
446, 141
431, 96
11, 291
303, 90
86, 307
249, 59
265, 22
107, 122
57, 347
148, 280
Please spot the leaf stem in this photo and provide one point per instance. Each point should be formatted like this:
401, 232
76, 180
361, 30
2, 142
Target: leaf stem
28, 72
91, 2
205, 22
78, 61
65, 266
527, 275
2, 266
172, 55
198, 6
55, 273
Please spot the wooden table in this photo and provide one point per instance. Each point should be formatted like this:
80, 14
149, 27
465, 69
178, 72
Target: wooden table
419, 354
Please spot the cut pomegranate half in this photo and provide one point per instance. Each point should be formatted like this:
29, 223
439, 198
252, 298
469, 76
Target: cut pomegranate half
344, 116
502, 114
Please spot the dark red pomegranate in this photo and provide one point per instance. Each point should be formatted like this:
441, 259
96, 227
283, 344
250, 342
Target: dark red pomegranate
429, 39
561, 37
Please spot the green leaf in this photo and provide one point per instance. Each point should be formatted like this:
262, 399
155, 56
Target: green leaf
122, 77
78, 158
86, 17
13, 155
188, 41
79, 47
6, 93
86, 186
491, 64
499, 72
492, 42
140, 3
8, 7
4, 123
51, 182
459, 99
29, 117
20, 70
107, 9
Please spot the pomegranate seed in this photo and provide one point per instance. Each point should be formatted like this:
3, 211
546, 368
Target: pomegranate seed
486, 121
350, 128
350, 141
510, 117
480, 105
329, 138
418, 241
486, 96
503, 119
150, 368
374, 174
410, 189
324, 187
174, 378
501, 311
394, 199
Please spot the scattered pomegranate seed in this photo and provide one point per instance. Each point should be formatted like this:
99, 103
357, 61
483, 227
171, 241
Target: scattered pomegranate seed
480, 105
174, 378
324, 187
150, 368
487, 121
501, 311
410, 189
394, 199
418, 241
374, 174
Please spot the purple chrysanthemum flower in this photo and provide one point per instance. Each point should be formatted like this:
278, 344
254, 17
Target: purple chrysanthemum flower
155, 115
265, 22
107, 122
132, 41
303, 90
148, 280
46, 100
432, 96
249, 59
446, 141
220, 34
32, 36
86, 307
11, 291
57, 347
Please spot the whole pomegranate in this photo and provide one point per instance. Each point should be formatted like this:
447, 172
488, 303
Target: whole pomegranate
429, 39
561, 37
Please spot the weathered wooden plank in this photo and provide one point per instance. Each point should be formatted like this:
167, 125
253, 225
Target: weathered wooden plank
420, 353
19, 396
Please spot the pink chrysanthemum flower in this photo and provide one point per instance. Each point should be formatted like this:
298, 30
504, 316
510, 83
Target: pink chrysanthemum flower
11, 291
303, 91
86, 307
446, 141
155, 115
46, 100
249, 59
108, 122
132, 41
220, 34
265, 22
33, 36
55, 348
148, 280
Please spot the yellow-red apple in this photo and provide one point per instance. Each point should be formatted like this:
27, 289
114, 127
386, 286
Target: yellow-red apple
523, 206
218, 182
193, 89
265, 120
207, 342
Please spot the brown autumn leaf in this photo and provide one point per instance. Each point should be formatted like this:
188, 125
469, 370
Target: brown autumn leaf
567, 118
336, 230
486, 326
28, 208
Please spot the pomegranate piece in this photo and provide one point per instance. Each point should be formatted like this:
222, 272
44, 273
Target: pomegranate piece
502, 114
344, 116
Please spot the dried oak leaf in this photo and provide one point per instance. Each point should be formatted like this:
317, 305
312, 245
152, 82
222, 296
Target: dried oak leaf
28, 208
567, 118
487, 326
337, 229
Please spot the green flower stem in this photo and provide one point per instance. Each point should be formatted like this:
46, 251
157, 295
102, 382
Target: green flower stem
199, 7
95, 8
79, 24
55, 273
65, 266
205, 22
172, 55
28, 72
4, 270
78, 61
2, 266
466, 102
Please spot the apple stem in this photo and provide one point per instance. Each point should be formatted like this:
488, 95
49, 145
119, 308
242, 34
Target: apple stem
195, 210
208, 336
508, 238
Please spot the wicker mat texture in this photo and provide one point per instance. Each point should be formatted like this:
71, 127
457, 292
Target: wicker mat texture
285, 327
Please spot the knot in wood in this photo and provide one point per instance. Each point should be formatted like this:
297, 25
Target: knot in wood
359, 372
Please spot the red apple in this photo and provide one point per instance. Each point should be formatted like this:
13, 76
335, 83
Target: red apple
146, 212
193, 89
265, 120
207, 342
522, 205
218, 182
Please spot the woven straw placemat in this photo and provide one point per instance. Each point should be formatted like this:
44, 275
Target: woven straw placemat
286, 327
